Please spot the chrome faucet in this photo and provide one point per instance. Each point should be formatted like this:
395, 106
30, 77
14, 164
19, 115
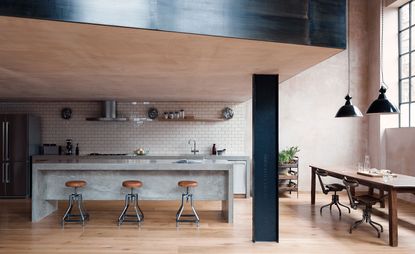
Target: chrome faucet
194, 150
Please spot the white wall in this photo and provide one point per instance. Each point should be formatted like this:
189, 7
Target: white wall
124, 137
309, 101
400, 147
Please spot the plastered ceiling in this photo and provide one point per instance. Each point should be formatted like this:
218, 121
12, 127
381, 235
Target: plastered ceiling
50, 60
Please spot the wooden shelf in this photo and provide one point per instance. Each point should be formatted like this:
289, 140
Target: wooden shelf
287, 177
294, 165
288, 188
288, 181
193, 120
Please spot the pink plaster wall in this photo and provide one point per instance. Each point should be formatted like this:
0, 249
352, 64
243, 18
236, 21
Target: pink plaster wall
400, 151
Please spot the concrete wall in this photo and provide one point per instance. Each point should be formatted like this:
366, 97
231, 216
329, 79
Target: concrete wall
310, 100
400, 147
124, 137
379, 123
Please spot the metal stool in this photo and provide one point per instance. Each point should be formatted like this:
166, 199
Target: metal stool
187, 195
75, 197
326, 188
131, 198
364, 201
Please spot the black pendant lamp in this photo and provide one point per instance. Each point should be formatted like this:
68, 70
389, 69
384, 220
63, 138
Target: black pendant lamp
382, 105
348, 109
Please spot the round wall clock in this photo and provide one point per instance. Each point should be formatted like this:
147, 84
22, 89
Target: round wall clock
153, 113
66, 113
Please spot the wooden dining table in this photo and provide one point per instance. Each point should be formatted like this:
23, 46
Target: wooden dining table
393, 186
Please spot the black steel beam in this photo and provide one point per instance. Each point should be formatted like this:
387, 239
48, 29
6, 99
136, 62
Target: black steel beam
265, 147
307, 22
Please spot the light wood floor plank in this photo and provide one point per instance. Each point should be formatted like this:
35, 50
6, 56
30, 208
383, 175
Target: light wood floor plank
302, 230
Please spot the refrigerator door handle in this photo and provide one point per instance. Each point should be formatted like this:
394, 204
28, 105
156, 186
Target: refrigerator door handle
7, 173
2, 172
3, 136
7, 141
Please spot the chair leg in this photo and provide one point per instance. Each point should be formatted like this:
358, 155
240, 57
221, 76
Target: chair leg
344, 206
321, 208
340, 212
140, 212
81, 214
193, 209
374, 226
367, 217
194, 214
69, 210
83, 209
181, 208
355, 224
377, 224
124, 211
135, 201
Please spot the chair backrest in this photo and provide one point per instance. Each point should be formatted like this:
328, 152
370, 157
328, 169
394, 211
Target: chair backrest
350, 183
322, 173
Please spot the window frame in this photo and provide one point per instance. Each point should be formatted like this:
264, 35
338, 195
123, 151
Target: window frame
411, 52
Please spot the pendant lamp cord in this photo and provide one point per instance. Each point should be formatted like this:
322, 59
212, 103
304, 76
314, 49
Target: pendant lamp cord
348, 47
381, 47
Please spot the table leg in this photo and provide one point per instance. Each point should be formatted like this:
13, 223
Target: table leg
393, 218
381, 194
313, 186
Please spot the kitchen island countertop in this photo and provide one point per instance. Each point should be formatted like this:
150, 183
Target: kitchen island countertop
104, 177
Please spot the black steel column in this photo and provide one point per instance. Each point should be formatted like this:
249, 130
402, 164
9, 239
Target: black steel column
265, 147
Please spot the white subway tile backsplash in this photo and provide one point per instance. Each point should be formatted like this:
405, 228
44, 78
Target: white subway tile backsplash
124, 137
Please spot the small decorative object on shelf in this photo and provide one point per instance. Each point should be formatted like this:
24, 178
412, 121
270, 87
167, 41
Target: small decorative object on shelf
66, 113
152, 113
227, 113
189, 118
288, 170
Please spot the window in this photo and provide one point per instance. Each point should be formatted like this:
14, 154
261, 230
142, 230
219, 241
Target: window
407, 64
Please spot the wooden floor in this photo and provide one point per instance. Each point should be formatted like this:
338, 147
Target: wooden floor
302, 230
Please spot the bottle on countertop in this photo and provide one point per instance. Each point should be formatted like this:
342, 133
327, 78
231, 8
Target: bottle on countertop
214, 149
69, 146
77, 149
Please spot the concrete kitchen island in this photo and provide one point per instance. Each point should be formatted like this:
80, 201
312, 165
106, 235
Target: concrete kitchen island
104, 177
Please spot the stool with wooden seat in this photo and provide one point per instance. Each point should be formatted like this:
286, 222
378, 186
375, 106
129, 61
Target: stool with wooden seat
131, 198
187, 195
75, 197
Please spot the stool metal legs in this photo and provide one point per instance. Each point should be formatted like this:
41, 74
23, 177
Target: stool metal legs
367, 217
131, 199
179, 213
75, 199
335, 201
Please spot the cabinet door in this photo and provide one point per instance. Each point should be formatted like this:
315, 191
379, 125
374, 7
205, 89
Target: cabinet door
17, 137
17, 176
239, 178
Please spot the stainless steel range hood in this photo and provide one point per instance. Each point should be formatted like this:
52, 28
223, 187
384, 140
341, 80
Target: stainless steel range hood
108, 113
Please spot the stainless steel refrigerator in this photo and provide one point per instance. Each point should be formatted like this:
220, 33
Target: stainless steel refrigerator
20, 139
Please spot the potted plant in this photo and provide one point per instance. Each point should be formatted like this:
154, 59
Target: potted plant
288, 157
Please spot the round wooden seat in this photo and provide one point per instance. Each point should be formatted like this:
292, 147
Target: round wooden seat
75, 184
132, 184
187, 183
